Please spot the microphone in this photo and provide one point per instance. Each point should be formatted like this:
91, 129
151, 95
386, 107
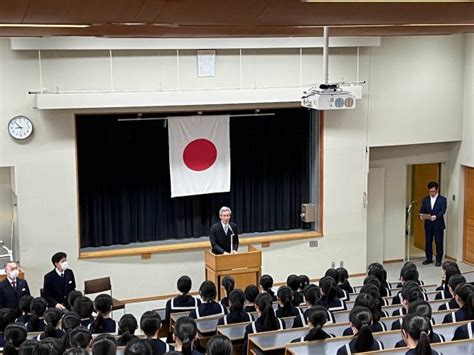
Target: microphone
231, 238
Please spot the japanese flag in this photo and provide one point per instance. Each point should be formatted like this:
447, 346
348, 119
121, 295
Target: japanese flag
199, 148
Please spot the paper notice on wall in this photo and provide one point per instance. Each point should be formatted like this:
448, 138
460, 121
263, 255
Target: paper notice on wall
206, 60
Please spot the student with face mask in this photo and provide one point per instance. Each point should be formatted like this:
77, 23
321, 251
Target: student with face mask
12, 288
59, 282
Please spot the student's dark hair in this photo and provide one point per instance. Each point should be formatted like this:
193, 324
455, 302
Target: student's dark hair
73, 296
469, 305
49, 346
328, 289
450, 271
418, 328
52, 317
7, 316
372, 290
228, 283
466, 293
455, 280
80, 337
421, 308
343, 276
208, 291
361, 319
264, 304
185, 330
372, 280
28, 347
104, 344
236, 300
412, 293
251, 293
368, 301
411, 275
25, 303
37, 307
318, 316
127, 326
266, 281
304, 281
150, 323
184, 284
433, 184
407, 266
70, 320
377, 270
15, 335
285, 296
56, 258
333, 273
75, 351
138, 347
312, 295
293, 282
83, 306
219, 345
103, 306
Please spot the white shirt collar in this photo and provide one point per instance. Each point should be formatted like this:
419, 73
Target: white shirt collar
59, 272
224, 225
434, 198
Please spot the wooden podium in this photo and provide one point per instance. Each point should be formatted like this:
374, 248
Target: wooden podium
245, 267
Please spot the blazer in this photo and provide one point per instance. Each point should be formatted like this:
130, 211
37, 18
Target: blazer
438, 210
220, 241
56, 289
10, 297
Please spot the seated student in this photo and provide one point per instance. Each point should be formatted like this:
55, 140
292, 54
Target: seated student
410, 276
69, 321
150, 323
7, 316
59, 282
38, 307
407, 266
360, 319
228, 285
445, 294
127, 326
415, 333
373, 281
422, 308
72, 297
138, 347
25, 303
184, 301
447, 263
344, 283
367, 301
410, 292
84, 307
312, 296
266, 320
373, 290
185, 333
343, 295
377, 270
208, 307
304, 282
102, 322
28, 347
104, 344
15, 335
463, 294
266, 284
236, 313
80, 337
251, 293
454, 281
293, 282
317, 317
329, 298
219, 345
52, 317
285, 303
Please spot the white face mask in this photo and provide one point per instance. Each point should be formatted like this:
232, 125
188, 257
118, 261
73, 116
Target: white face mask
13, 274
64, 265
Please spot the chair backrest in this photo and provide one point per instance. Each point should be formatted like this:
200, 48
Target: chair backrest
97, 285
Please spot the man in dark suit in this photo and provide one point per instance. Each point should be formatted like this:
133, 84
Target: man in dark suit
434, 205
59, 282
223, 233
12, 288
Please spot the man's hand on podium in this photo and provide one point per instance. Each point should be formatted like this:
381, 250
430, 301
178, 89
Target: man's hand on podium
226, 253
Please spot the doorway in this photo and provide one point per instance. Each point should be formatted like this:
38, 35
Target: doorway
418, 177
468, 247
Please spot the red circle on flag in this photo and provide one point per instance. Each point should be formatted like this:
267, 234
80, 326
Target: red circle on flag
200, 154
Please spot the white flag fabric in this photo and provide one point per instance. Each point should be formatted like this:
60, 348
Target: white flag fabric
199, 149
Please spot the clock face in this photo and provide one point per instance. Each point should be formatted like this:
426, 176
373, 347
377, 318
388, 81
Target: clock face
20, 127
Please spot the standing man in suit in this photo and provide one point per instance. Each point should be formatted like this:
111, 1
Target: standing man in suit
59, 282
12, 288
223, 233
434, 205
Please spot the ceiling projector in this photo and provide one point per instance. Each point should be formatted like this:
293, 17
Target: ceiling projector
328, 97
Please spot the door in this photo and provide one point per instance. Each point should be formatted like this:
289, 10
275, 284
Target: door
469, 215
375, 215
422, 174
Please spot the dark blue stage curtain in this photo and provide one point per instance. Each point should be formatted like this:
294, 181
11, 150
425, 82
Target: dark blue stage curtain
124, 179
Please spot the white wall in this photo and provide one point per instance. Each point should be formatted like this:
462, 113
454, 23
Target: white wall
46, 175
